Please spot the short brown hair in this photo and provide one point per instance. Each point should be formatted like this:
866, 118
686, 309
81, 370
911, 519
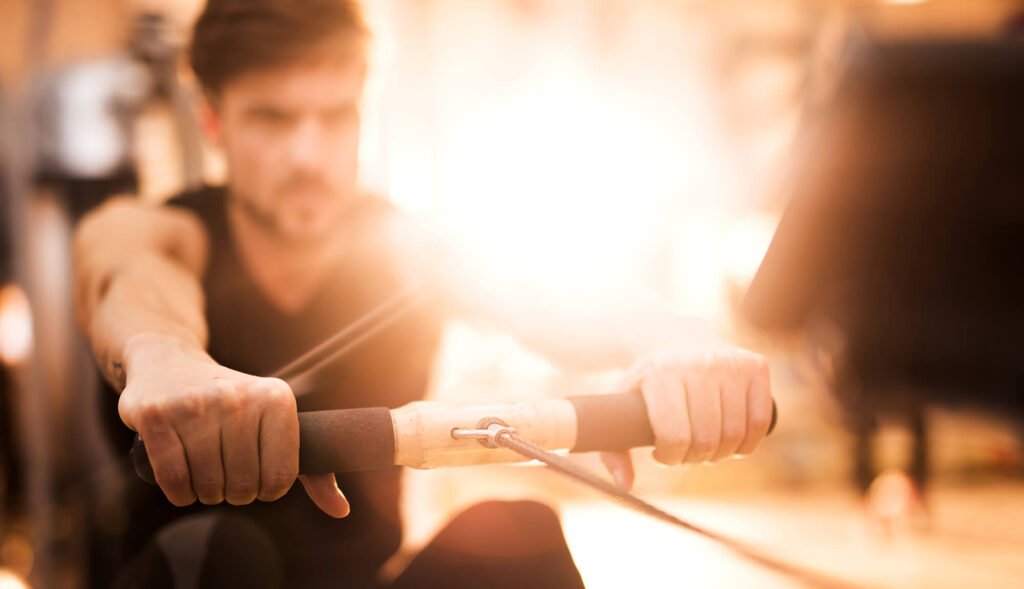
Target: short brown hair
232, 37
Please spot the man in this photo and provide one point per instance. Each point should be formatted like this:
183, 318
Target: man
185, 305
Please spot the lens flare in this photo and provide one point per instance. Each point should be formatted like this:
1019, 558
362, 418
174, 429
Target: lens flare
16, 335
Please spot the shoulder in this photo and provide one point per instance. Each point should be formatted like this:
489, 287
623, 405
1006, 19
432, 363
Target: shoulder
126, 224
130, 217
205, 202
411, 241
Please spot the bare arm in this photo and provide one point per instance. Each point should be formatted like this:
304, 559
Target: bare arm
137, 272
707, 399
603, 327
212, 433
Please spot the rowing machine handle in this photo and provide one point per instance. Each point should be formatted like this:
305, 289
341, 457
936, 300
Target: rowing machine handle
347, 440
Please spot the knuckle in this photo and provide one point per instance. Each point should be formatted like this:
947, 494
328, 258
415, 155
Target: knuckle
209, 490
149, 413
718, 359
760, 365
648, 369
172, 479
731, 439
193, 401
733, 435
677, 440
226, 391
661, 362
278, 480
277, 392
694, 368
762, 419
704, 445
738, 360
221, 385
665, 363
207, 487
230, 398
182, 500
277, 386
241, 492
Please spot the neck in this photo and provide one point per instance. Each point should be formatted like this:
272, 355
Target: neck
288, 273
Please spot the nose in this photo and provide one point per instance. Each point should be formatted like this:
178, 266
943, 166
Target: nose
305, 146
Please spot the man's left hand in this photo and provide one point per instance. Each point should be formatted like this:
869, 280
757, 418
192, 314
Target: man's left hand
703, 406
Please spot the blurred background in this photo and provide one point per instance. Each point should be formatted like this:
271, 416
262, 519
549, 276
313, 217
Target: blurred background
833, 183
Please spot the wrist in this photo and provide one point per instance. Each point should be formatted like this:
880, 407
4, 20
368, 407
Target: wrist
146, 348
652, 329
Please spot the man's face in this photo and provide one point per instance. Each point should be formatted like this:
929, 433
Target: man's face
291, 137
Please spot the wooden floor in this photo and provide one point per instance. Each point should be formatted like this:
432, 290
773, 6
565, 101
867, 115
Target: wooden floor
976, 540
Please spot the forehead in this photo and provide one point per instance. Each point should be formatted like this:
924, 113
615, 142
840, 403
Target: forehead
300, 85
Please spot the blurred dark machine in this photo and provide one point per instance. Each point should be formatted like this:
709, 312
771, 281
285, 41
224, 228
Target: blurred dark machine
904, 239
86, 112
10, 467
72, 135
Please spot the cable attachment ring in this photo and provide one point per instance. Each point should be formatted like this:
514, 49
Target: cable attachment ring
487, 432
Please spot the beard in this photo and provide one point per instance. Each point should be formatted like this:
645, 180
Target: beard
274, 224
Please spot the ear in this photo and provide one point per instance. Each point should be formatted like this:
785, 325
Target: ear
210, 120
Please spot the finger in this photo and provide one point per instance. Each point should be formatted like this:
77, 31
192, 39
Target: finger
734, 383
703, 397
323, 490
170, 467
205, 463
620, 465
630, 380
279, 449
669, 415
759, 408
240, 447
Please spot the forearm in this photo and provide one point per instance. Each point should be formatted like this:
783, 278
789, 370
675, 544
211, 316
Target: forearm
646, 324
616, 332
599, 326
600, 330
146, 299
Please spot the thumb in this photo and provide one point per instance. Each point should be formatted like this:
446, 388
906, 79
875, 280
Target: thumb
620, 465
323, 490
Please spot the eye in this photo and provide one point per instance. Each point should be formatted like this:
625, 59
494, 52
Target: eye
340, 115
270, 116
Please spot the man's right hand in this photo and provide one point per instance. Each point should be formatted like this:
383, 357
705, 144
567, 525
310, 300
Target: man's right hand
213, 433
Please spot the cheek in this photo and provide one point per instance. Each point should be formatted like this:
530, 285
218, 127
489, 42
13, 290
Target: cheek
344, 154
252, 158
252, 173
345, 142
259, 149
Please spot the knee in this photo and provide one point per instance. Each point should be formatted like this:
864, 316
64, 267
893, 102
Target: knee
211, 550
241, 554
505, 528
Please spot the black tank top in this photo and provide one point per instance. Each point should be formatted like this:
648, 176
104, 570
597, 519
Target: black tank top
247, 333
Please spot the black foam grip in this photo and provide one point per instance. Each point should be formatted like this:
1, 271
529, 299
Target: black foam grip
346, 440
343, 440
611, 422
617, 422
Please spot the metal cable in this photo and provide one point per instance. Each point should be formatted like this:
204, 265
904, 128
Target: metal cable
380, 317
356, 333
810, 578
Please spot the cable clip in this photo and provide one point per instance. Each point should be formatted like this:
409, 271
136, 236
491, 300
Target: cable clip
487, 432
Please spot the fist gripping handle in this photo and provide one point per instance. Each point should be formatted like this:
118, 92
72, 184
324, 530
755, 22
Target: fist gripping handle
419, 434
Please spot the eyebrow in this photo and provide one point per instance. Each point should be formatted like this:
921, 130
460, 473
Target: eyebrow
341, 108
263, 110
